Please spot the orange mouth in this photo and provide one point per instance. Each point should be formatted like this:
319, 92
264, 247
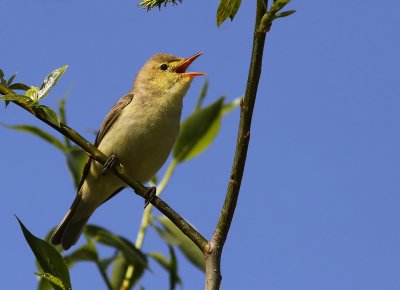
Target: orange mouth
181, 69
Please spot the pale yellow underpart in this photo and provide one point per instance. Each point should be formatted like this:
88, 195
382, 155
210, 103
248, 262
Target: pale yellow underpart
142, 137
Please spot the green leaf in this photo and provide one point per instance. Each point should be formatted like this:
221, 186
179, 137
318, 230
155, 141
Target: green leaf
170, 266
18, 86
61, 109
202, 95
206, 140
103, 236
278, 5
44, 284
166, 236
227, 108
106, 262
49, 259
227, 8
150, 4
1, 74
63, 119
50, 81
119, 270
76, 160
33, 93
128, 255
154, 180
188, 248
174, 278
85, 253
198, 131
2, 79
15, 97
53, 280
271, 15
11, 79
47, 238
39, 133
48, 114
120, 266
284, 14
160, 259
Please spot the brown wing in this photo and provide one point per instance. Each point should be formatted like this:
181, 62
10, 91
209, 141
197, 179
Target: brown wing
112, 116
107, 123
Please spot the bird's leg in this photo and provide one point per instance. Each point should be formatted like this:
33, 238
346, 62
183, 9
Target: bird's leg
149, 195
110, 164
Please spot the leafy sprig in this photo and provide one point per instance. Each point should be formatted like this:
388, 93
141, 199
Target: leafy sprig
34, 94
150, 4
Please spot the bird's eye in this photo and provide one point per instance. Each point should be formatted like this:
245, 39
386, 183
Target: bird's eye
164, 66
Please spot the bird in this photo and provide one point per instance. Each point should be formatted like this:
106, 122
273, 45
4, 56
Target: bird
138, 132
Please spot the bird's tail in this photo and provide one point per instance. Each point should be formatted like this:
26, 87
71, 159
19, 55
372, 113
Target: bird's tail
70, 229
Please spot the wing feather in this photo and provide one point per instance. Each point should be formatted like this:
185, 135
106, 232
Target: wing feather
112, 116
109, 120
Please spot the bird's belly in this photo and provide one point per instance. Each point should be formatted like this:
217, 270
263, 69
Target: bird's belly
142, 147
142, 144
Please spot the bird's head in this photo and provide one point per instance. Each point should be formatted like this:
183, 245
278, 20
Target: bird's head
165, 75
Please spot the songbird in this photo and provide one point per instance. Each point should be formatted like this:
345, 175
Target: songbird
139, 132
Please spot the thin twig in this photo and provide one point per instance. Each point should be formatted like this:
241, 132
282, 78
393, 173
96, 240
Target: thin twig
213, 258
139, 188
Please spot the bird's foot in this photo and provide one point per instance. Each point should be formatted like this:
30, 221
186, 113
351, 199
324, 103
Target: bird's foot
149, 195
110, 164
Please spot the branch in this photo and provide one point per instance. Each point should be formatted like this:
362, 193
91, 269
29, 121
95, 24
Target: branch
213, 257
139, 188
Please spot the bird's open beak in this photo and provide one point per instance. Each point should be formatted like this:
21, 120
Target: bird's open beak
181, 68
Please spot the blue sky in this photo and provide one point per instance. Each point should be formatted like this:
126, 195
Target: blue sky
320, 203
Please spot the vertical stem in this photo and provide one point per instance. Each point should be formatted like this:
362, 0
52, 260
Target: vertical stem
145, 221
213, 257
147, 211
